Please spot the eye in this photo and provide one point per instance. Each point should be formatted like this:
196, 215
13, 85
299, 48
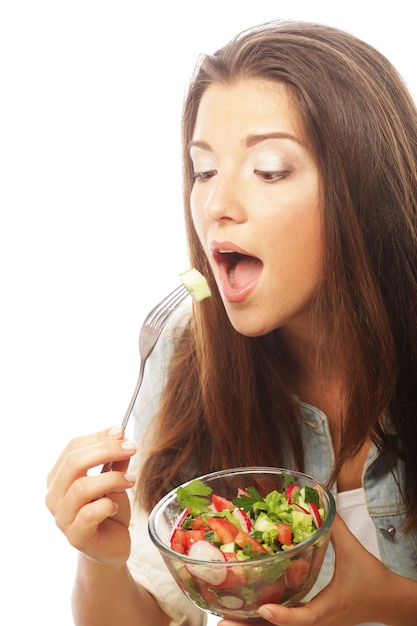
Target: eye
271, 176
204, 175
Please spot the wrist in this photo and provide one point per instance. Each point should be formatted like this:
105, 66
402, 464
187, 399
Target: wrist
401, 607
90, 568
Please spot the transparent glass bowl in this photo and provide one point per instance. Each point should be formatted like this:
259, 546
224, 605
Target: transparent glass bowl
282, 578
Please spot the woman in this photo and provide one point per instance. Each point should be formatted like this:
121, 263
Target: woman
300, 153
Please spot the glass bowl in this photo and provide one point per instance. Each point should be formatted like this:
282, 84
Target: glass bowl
236, 589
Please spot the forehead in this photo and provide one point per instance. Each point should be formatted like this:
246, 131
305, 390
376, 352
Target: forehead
248, 106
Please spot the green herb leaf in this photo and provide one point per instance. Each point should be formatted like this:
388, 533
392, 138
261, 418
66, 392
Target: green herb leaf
247, 502
195, 496
209, 536
288, 479
247, 550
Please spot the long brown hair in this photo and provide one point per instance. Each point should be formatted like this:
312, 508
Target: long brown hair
228, 402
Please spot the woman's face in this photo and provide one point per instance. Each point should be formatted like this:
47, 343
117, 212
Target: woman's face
255, 204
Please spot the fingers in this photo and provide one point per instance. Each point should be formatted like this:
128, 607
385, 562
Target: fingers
88, 489
82, 529
90, 507
78, 458
227, 622
115, 432
279, 615
284, 616
83, 515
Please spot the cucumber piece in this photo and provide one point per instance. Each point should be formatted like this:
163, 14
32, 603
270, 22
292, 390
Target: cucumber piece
263, 523
228, 547
196, 284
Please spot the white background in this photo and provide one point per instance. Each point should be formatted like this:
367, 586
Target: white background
91, 227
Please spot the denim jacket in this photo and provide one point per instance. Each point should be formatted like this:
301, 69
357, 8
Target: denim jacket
398, 551
387, 511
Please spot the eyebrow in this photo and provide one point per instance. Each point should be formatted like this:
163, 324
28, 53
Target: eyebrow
250, 140
200, 144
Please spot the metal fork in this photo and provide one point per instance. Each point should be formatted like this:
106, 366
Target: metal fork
148, 337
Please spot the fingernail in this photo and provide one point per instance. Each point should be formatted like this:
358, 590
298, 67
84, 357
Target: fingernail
115, 431
129, 445
131, 478
264, 612
116, 509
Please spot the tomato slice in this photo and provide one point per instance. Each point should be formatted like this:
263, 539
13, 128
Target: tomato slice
178, 547
224, 528
230, 582
207, 593
220, 503
243, 538
296, 573
284, 534
198, 524
179, 541
238, 570
191, 536
271, 593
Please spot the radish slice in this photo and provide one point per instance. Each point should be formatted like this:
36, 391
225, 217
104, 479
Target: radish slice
291, 491
243, 519
178, 522
300, 508
231, 602
203, 550
315, 514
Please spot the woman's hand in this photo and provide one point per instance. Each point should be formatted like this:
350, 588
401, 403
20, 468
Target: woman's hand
92, 510
361, 590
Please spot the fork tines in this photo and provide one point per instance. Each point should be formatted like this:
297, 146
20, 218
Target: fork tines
163, 309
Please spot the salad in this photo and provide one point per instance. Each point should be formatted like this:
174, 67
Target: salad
249, 527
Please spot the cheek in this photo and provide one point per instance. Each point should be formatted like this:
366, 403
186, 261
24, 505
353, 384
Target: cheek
313, 251
199, 223
197, 208
296, 242
316, 239
193, 208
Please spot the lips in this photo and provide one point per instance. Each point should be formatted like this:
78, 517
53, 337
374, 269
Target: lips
239, 271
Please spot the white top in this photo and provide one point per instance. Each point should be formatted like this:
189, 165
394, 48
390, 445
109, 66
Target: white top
351, 506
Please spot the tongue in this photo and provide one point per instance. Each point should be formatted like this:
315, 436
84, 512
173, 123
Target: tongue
246, 270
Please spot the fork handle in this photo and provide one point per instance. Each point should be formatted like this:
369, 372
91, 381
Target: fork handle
135, 395
107, 467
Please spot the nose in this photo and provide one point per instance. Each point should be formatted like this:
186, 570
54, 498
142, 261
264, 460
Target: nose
225, 200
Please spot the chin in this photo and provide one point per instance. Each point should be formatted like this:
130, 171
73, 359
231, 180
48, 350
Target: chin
250, 329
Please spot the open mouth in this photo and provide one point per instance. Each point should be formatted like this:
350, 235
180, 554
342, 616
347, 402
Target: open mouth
241, 268
238, 270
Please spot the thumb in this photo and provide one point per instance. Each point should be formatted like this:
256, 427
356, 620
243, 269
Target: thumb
343, 540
